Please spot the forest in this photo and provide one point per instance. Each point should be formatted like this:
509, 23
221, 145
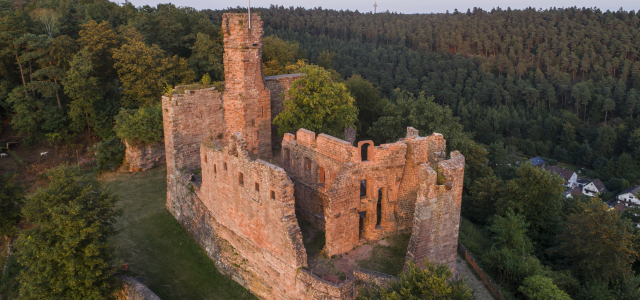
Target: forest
501, 85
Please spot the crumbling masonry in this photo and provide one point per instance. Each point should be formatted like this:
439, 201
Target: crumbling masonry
244, 211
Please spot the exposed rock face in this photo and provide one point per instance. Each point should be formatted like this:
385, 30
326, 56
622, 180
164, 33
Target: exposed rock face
142, 158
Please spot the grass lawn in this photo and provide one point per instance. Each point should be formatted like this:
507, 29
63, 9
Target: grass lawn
388, 259
159, 252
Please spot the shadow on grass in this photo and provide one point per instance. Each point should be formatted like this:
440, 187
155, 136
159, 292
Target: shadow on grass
159, 252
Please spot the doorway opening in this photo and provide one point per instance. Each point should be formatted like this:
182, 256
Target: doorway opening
363, 216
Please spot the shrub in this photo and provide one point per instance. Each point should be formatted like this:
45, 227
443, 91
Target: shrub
540, 287
109, 153
140, 126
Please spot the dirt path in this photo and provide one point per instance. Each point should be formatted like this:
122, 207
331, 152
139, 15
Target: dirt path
475, 283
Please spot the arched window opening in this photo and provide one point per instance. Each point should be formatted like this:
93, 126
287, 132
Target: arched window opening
364, 152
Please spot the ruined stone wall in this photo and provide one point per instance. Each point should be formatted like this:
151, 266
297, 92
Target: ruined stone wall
437, 214
188, 120
368, 277
278, 86
247, 102
329, 174
145, 157
253, 206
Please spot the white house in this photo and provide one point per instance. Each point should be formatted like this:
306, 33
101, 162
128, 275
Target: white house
570, 177
594, 188
628, 196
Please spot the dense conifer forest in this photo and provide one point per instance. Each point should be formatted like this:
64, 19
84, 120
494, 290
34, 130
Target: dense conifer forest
560, 83
501, 85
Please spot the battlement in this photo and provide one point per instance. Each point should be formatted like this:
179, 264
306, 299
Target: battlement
242, 32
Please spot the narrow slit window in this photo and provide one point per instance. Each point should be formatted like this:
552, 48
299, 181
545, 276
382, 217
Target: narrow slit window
363, 188
257, 186
307, 164
273, 195
241, 179
215, 170
205, 158
320, 175
224, 166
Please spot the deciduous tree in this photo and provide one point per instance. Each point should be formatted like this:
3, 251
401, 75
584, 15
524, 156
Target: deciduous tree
317, 103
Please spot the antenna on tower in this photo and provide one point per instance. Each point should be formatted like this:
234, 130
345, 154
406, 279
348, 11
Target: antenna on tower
375, 6
249, 14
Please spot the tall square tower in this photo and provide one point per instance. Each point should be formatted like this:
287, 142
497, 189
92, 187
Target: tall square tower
247, 104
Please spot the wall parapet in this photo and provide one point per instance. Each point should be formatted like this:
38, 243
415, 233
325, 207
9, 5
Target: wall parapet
322, 289
367, 277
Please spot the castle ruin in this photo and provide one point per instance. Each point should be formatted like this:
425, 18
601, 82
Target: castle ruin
244, 211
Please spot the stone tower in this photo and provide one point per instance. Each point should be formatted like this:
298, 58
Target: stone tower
247, 106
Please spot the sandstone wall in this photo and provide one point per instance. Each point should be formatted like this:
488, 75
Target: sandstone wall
142, 158
366, 277
247, 103
189, 119
253, 206
437, 214
278, 86
340, 188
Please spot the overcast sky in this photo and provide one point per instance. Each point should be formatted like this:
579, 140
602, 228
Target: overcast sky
406, 6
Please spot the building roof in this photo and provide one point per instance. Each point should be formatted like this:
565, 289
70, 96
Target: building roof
599, 186
564, 173
632, 190
583, 181
283, 76
536, 161
619, 207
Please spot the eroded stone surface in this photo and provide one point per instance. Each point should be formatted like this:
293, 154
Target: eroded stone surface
142, 158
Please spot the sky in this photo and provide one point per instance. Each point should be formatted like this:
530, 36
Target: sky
404, 6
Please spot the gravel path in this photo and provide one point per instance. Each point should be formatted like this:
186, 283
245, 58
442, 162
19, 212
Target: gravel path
480, 291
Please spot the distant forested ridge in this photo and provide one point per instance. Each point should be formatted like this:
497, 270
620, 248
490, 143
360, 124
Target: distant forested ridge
562, 83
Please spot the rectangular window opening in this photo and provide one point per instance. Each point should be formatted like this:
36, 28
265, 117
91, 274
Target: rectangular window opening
224, 166
320, 175
273, 195
257, 185
215, 170
363, 188
307, 165
241, 179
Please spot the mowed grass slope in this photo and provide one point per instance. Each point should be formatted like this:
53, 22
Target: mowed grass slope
159, 252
